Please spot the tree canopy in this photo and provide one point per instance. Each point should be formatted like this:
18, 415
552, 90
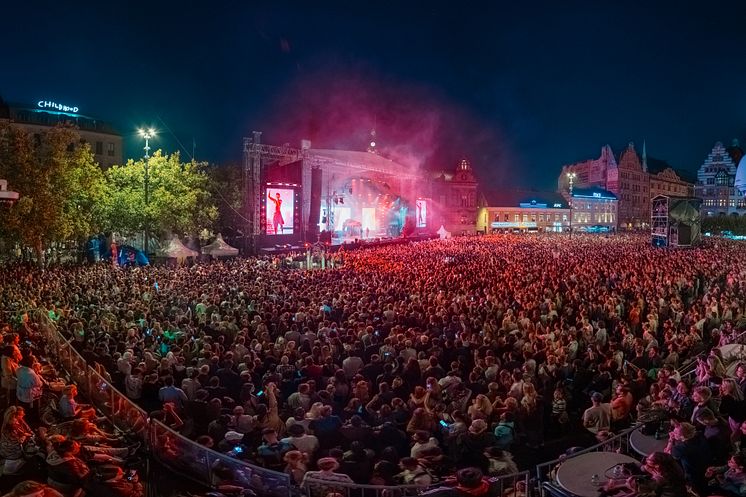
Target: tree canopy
180, 199
60, 185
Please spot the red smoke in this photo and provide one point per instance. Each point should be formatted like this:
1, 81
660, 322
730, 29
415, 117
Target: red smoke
414, 125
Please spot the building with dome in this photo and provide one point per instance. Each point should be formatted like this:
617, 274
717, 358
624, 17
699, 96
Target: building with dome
740, 182
716, 184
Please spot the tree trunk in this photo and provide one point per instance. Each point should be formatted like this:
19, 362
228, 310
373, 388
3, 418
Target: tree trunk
39, 250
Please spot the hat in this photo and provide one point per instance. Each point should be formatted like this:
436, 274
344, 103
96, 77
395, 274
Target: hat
477, 426
233, 436
597, 397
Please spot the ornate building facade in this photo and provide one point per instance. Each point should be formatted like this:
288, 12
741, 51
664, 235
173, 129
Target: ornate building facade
716, 186
628, 179
455, 196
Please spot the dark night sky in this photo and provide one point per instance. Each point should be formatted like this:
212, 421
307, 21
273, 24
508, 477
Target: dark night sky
520, 88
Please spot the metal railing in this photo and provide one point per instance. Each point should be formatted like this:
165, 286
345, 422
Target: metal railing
618, 443
180, 454
513, 485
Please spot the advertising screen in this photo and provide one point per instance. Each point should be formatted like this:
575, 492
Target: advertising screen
421, 208
280, 204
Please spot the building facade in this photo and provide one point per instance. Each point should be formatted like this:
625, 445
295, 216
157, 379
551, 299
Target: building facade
105, 142
668, 182
629, 179
716, 184
455, 198
522, 211
592, 208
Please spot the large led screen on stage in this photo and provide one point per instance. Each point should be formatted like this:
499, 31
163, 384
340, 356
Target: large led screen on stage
421, 211
280, 204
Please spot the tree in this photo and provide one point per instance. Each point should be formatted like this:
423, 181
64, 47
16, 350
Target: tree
59, 183
226, 183
180, 199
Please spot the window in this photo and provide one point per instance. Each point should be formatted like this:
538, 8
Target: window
517, 218
525, 218
505, 218
99, 148
110, 149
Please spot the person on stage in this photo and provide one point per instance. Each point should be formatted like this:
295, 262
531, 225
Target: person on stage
277, 219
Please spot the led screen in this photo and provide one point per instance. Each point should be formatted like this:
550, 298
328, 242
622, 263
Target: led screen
421, 212
280, 204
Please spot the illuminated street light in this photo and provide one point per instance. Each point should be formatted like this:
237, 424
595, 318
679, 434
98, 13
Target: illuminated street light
147, 134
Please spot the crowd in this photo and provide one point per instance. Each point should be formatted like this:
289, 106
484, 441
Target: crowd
408, 365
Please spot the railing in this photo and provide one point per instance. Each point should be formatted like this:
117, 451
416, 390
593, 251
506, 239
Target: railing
517, 484
178, 453
618, 443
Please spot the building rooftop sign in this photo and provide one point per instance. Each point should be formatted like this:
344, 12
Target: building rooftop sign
49, 105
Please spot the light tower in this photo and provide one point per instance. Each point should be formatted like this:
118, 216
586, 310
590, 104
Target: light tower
147, 134
570, 179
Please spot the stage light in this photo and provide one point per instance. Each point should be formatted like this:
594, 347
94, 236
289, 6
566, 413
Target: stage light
372, 144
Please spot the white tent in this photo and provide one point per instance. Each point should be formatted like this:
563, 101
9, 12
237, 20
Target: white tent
219, 248
174, 249
443, 233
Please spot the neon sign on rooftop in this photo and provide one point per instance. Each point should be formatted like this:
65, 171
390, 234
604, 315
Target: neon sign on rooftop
46, 104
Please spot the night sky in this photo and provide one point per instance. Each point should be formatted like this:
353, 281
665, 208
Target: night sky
519, 88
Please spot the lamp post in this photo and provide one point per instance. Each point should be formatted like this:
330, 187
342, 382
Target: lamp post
147, 134
571, 179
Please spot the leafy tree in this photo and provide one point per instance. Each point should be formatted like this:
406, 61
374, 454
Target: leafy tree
180, 198
227, 183
718, 224
60, 184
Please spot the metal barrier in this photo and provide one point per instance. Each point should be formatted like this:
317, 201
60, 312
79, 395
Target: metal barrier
514, 485
184, 456
618, 443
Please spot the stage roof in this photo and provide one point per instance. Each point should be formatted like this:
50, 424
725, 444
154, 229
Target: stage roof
356, 160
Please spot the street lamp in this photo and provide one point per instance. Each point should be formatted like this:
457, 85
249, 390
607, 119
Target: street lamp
571, 179
147, 134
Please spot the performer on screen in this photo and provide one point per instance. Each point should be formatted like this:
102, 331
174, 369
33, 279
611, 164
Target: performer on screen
277, 219
420, 221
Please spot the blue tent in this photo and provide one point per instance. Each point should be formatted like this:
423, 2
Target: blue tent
130, 256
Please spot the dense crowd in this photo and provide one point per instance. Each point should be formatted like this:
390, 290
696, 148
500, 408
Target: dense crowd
407, 365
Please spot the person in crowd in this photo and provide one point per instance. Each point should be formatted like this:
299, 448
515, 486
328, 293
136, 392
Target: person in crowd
69, 407
66, 472
728, 480
29, 385
31, 488
597, 417
691, 450
14, 434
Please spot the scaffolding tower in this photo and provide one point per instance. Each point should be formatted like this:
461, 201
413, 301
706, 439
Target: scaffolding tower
659, 221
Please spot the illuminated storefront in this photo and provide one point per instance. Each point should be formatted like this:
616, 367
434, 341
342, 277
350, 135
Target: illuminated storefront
522, 211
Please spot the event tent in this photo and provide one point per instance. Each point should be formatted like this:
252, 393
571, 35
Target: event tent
219, 248
174, 249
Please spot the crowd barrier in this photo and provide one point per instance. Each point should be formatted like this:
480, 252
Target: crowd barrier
545, 472
212, 469
188, 458
514, 485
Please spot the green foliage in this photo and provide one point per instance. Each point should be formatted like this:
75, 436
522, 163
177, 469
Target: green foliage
717, 224
180, 199
61, 186
226, 182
